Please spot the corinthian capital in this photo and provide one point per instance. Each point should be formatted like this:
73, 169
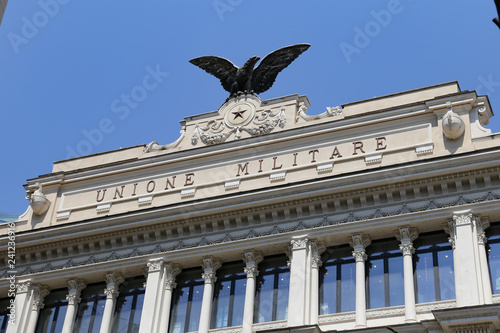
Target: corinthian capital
155, 265
75, 287
39, 293
113, 281
171, 271
210, 265
359, 241
299, 242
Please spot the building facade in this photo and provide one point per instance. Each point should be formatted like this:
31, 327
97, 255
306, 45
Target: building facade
378, 216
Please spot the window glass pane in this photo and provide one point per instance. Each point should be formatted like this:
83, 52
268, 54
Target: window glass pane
494, 261
328, 290
84, 316
446, 275
194, 316
178, 317
424, 274
264, 299
283, 293
123, 311
396, 281
222, 296
136, 320
51, 317
128, 306
238, 302
376, 294
348, 287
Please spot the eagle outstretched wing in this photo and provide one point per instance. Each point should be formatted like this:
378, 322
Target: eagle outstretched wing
268, 69
496, 20
221, 68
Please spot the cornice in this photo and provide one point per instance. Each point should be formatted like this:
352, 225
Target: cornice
317, 224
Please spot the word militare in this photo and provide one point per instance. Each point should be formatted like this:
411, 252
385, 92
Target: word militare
242, 169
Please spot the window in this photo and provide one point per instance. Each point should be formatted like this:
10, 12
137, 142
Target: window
384, 271
493, 248
271, 300
51, 318
187, 298
129, 306
337, 281
90, 309
434, 273
4, 314
229, 296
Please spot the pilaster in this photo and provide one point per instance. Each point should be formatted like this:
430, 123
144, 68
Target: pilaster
464, 241
316, 249
297, 300
152, 296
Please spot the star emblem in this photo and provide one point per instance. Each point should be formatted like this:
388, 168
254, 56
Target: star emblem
239, 113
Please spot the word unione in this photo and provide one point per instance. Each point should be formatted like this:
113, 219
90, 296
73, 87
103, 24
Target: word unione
151, 186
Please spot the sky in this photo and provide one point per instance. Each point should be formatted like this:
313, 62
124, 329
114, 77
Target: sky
82, 77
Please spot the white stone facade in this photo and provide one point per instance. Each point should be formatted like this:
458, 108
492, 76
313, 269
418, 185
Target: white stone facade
261, 182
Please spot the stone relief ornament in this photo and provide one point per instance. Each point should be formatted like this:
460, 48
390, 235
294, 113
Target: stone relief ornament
38, 201
330, 112
453, 125
240, 117
155, 146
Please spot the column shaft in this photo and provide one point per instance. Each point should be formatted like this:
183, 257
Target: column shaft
252, 259
112, 283
359, 242
210, 265
171, 271
75, 288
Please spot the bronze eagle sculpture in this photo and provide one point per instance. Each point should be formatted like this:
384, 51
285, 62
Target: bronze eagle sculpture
247, 79
497, 19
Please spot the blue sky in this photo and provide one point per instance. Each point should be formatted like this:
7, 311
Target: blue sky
68, 68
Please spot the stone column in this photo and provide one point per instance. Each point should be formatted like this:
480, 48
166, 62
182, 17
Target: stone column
22, 306
297, 299
359, 242
468, 281
113, 281
252, 258
483, 260
152, 296
210, 265
316, 249
170, 272
75, 287
39, 293
406, 236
